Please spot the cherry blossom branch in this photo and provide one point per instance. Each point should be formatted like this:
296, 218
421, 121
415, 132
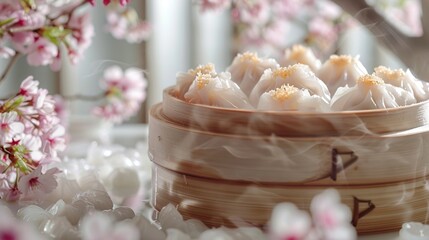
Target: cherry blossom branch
9, 67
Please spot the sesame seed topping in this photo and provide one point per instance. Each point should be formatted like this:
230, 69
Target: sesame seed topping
204, 69
202, 80
249, 57
284, 92
370, 80
341, 60
284, 72
297, 52
389, 74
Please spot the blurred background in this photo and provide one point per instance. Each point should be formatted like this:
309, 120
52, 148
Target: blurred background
188, 33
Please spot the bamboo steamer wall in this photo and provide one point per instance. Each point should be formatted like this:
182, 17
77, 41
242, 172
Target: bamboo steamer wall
229, 167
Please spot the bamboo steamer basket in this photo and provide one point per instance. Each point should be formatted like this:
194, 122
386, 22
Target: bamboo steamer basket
234, 203
241, 163
291, 123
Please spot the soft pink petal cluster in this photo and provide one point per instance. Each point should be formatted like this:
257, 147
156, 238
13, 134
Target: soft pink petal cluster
330, 220
40, 29
125, 24
31, 137
107, 2
215, 4
125, 91
266, 25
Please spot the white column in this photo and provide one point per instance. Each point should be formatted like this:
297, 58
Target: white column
169, 47
212, 38
359, 41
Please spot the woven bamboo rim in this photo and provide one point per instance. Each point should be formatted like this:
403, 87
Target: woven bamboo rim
294, 124
325, 161
384, 207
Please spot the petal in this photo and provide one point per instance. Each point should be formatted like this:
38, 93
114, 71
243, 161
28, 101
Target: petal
17, 127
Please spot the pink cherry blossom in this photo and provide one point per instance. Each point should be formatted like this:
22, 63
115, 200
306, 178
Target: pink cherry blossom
28, 87
139, 32
33, 145
32, 20
117, 24
124, 2
331, 217
276, 32
9, 126
53, 141
322, 27
289, 8
39, 98
331, 220
115, 112
254, 12
83, 31
125, 91
10, 194
124, 25
36, 182
23, 41
42, 52
40, 29
6, 184
288, 222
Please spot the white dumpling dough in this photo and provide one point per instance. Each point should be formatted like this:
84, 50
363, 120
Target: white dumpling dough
298, 75
291, 98
341, 71
217, 91
300, 54
185, 79
405, 80
370, 92
247, 68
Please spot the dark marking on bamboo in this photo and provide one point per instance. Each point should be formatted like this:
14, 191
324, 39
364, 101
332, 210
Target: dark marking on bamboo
337, 168
358, 215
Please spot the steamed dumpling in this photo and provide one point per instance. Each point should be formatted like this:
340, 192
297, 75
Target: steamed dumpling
288, 97
184, 80
300, 54
298, 75
370, 92
405, 80
217, 91
340, 71
247, 68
